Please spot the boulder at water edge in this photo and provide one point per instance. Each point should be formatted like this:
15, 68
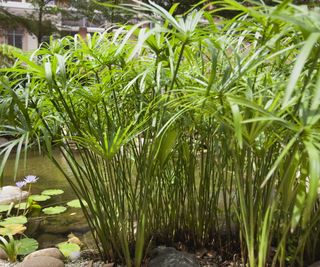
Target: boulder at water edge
10, 194
170, 257
3, 255
47, 252
41, 261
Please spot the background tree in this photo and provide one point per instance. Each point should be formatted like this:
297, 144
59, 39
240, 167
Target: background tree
97, 12
38, 22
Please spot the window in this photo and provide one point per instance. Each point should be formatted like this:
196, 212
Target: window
14, 37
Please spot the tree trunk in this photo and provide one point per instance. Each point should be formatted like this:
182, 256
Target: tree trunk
40, 34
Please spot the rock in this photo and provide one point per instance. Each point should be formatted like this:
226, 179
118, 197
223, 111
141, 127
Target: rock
41, 261
315, 264
4, 263
10, 194
75, 255
50, 240
170, 257
47, 252
3, 255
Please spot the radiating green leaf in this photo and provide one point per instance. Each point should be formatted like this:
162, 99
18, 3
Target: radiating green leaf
26, 245
54, 210
4, 207
39, 198
52, 192
14, 220
76, 203
68, 248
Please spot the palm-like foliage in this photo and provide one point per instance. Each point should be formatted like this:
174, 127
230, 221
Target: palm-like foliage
184, 131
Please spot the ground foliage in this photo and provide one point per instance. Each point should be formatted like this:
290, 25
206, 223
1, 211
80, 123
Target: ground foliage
199, 129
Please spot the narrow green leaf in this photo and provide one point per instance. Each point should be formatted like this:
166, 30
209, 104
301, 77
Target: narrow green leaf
299, 65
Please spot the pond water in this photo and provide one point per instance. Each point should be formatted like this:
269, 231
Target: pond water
49, 175
49, 230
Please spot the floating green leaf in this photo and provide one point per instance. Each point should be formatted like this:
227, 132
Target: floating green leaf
26, 246
54, 210
12, 229
52, 192
68, 248
14, 220
4, 208
39, 197
22, 205
76, 203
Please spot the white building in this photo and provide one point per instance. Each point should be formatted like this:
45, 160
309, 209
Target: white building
21, 38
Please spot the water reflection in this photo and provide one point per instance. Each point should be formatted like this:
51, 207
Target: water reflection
49, 175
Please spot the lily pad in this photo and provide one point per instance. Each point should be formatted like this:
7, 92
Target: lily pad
22, 205
4, 208
14, 220
39, 198
12, 229
54, 210
26, 245
52, 192
76, 203
68, 249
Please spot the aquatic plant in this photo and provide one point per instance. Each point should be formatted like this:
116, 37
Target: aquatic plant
13, 247
184, 131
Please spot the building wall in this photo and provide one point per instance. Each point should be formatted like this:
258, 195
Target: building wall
29, 42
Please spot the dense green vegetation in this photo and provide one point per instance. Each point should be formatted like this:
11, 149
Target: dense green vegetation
195, 130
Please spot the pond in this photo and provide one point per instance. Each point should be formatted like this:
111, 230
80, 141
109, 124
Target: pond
49, 230
49, 175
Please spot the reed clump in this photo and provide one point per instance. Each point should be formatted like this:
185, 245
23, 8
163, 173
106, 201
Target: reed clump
190, 130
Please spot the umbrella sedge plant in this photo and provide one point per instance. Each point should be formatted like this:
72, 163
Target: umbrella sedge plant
200, 129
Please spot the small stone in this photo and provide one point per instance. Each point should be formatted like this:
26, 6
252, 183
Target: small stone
47, 252
170, 257
315, 264
3, 255
9, 194
41, 261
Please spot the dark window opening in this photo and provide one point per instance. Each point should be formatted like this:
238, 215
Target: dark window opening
14, 38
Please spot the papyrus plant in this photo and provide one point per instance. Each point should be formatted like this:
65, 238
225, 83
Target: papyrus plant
198, 130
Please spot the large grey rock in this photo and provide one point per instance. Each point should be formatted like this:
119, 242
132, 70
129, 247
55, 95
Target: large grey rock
10, 194
170, 257
315, 264
47, 252
41, 261
3, 255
